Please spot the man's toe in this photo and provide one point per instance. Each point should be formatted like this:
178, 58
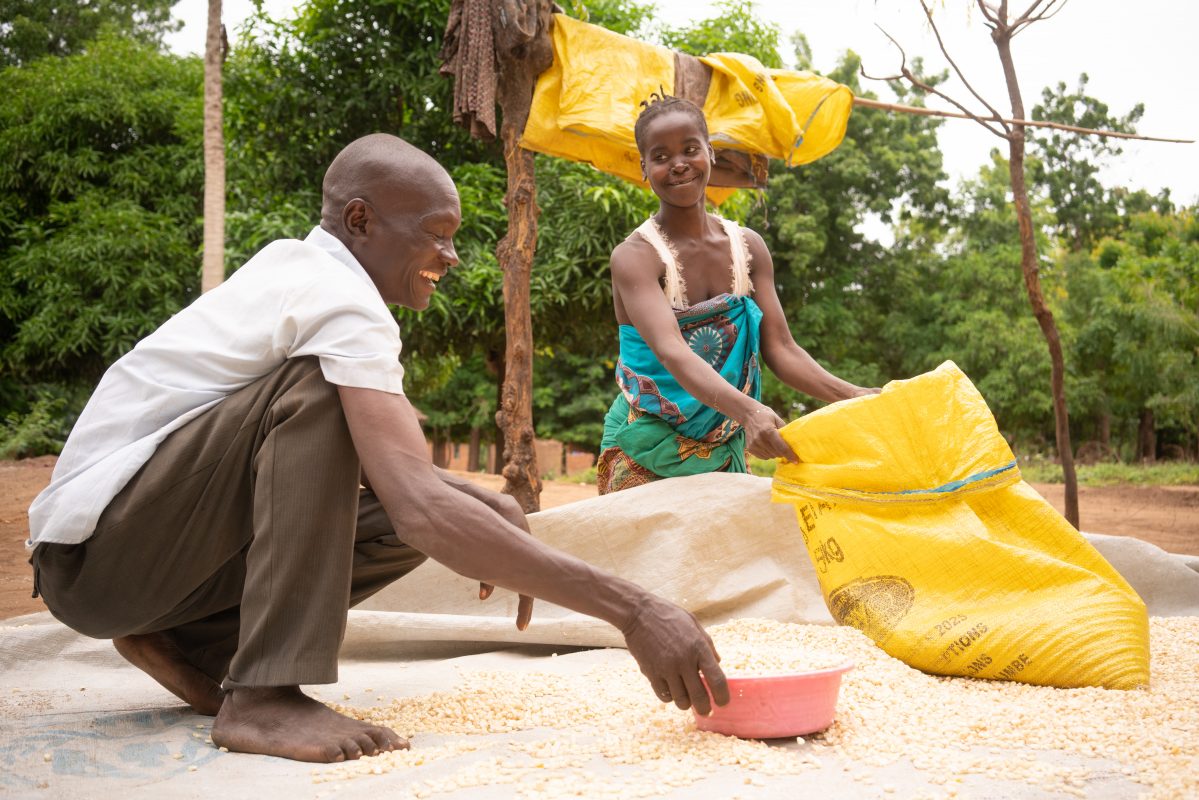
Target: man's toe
351, 748
387, 739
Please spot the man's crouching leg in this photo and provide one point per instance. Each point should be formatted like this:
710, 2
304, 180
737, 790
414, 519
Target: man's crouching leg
298, 569
157, 655
229, 557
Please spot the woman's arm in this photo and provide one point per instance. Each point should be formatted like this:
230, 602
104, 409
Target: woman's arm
786, 359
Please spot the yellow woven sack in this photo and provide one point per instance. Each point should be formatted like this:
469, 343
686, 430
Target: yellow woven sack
586, 103
926, 539
795, 116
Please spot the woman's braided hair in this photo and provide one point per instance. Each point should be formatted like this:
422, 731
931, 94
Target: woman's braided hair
660, 103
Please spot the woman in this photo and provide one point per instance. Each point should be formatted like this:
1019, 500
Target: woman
695, 299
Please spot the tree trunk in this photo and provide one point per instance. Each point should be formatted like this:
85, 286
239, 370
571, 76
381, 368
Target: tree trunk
1147, 438
522, 52
437, 449
1105, 429
495, 362
212, 271
515, 253
472, 455
1032, 277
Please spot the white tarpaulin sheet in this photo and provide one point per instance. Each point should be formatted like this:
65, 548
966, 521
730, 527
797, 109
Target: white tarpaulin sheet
77, 721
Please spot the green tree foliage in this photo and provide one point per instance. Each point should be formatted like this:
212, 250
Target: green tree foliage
734, 27
966, 302
33, 29
627, 17
1133, 308
570, 397
455, 396
299, 90
1067, 164
100, 172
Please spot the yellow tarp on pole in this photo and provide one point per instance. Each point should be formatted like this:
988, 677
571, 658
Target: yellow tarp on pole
585, 105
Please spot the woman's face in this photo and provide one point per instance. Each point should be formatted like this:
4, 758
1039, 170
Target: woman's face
677, 158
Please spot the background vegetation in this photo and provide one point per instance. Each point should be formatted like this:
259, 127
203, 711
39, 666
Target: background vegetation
100, 185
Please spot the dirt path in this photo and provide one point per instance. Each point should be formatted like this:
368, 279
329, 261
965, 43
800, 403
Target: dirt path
1167, 516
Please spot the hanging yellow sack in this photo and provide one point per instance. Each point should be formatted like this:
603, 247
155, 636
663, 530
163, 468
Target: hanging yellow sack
795, 116
586, 103
925, 537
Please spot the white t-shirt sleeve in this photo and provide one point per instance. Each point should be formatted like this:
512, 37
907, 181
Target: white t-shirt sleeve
345, 323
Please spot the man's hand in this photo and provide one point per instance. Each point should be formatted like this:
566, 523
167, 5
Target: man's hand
506, 506
672, 650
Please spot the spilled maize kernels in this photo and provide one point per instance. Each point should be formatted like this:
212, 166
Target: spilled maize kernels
543, 733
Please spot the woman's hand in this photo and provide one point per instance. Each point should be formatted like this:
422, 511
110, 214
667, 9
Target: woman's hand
762, 437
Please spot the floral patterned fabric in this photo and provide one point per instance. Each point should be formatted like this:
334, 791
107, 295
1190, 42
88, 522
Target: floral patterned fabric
656, 429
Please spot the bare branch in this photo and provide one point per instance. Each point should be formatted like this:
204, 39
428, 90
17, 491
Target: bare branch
990, 13
903, 57
911, 78
941, 43
863, 73
1028, 12
1028, 123
1049, 12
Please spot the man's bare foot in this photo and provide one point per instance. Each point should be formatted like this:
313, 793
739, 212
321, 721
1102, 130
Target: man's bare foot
157, 656
283, 721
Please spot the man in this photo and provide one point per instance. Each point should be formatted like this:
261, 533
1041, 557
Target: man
206, 513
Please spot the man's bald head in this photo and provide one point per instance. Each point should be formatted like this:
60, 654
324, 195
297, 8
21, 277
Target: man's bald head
373, 168
396, 210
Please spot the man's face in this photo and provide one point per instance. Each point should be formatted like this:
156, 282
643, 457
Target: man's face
404, 239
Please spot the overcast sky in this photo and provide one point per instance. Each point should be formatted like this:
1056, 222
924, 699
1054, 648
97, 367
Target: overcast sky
1141, 52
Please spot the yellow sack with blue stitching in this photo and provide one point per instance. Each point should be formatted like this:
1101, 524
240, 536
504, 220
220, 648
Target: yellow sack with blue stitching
925, 537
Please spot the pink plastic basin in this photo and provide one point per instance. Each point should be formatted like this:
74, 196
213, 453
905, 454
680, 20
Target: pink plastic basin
777, 706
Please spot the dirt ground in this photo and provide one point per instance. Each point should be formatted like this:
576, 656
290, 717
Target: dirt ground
1167, 516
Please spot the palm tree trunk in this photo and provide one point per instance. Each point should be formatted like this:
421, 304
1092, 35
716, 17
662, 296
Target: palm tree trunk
212, 272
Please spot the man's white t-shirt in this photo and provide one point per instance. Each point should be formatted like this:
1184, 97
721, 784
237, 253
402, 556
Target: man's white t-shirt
292, 299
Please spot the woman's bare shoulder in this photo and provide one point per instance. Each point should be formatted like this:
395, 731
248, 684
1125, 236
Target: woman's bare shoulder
633, 252
758, 251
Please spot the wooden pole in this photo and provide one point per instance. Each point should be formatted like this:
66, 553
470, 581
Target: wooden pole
519, 66
515, 254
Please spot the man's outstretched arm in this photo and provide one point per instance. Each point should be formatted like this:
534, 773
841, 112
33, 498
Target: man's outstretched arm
470, 538
506, 506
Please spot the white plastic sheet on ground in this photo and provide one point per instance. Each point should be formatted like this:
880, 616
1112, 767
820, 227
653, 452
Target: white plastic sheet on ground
76, 721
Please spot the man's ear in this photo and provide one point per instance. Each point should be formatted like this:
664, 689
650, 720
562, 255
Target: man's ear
355, 216
644, 175
711, 154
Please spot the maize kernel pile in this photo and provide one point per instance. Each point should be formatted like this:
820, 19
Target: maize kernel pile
602, 733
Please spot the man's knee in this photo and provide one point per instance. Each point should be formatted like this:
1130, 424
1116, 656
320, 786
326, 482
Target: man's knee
56, 570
